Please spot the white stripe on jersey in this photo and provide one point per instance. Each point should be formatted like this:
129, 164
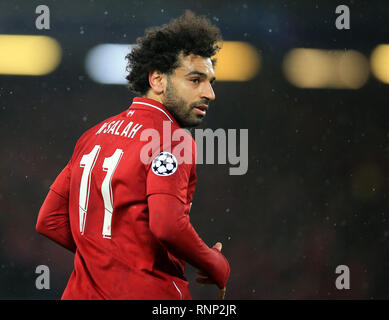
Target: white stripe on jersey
178, 290
150, 105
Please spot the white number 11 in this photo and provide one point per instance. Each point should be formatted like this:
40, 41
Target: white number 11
110, 164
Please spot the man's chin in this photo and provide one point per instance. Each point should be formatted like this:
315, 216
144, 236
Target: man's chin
192, 122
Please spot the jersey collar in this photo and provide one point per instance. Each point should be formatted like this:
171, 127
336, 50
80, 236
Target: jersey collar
151, 104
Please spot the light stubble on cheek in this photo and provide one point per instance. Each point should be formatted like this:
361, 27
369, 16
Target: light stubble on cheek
180, 108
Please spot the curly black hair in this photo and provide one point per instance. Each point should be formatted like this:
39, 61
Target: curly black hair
160, 47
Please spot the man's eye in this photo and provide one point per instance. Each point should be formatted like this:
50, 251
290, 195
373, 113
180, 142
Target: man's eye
195, 80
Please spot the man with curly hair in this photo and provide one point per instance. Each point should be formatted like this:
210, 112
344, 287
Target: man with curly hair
126, 219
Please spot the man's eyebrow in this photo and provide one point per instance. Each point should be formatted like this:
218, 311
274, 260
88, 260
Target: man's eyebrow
201, 74
198, 73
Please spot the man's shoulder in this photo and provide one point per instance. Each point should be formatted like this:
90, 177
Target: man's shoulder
141, 127
91, 132
95, 128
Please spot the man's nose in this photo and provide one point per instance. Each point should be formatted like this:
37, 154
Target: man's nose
208, 92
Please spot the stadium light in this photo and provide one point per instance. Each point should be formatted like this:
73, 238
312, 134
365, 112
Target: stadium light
237, 61
28, 55
379, 61
106, 63
317, 68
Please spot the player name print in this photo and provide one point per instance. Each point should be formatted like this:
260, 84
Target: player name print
164, 164
118, 128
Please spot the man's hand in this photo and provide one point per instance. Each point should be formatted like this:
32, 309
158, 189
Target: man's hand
206, 280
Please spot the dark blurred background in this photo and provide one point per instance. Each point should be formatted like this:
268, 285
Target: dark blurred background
315, 194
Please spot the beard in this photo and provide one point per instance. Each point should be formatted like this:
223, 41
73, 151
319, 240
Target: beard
180, 109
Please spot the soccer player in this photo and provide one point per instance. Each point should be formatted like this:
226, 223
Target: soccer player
126, 218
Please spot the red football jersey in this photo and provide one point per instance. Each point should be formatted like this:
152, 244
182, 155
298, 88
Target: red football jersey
107, 183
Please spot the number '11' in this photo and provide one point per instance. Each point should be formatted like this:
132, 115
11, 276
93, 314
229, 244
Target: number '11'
110, 164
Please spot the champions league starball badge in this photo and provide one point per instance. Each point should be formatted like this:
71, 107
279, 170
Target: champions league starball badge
164, 164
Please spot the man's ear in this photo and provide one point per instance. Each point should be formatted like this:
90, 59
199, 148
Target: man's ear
157, 81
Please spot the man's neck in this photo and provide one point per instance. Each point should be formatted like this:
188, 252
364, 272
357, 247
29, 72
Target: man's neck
151, 95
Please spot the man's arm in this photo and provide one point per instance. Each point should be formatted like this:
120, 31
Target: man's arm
53, 221
171, 226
